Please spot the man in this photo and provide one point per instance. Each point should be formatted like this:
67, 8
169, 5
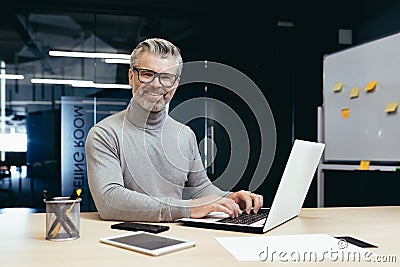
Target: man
145, 166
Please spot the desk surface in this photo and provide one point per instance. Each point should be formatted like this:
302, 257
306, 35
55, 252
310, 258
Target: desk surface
22, 237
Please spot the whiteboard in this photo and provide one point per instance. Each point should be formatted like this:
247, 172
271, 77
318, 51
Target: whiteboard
367, 132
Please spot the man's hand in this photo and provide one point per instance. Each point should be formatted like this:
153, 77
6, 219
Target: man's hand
247, 200
200, 207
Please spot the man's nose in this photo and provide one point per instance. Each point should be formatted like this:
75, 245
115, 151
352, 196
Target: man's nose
156, 81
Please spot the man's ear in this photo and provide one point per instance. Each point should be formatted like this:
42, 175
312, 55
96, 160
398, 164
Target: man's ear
177, 82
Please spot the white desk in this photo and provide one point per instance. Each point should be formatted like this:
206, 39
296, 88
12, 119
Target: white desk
22, 240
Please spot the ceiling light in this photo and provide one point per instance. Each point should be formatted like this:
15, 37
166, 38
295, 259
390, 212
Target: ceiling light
57, 81
12, 76
102, 85
82, 83
117, 61
88, 54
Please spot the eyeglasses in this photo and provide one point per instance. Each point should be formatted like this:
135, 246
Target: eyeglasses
147, 76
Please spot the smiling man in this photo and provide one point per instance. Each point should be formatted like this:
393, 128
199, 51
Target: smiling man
145, 166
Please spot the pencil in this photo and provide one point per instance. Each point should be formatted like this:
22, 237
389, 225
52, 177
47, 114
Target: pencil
74, 196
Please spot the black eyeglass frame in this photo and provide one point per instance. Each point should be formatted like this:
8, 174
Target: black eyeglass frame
156, 74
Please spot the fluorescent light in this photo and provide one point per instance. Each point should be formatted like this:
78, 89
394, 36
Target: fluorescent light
28, 102
58, 81
117, 61
82, 83
112, 86
88, 54
102, 85
12, 76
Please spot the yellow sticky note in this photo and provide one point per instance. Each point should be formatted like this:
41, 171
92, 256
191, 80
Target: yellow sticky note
364, 165
338, 87
391, 107
371, 86
355, 92
345, 113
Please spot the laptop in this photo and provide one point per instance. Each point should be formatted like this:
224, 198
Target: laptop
288, 201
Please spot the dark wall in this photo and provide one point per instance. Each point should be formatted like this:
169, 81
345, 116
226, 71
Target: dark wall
284, 62
381, 18
43, 156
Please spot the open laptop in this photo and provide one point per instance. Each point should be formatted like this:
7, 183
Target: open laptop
288, 200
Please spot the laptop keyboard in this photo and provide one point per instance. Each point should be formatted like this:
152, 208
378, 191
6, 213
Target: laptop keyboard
247, 219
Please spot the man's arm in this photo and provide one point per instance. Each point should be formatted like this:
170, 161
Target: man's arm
113, 200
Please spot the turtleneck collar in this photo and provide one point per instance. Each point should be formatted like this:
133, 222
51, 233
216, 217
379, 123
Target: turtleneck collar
145, 119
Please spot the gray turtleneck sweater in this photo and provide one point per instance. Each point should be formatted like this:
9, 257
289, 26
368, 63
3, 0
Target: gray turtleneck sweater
144, 166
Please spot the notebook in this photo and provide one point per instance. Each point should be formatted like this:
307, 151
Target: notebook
288, 201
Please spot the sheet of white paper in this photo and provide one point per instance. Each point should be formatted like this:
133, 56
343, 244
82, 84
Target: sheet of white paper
294, 248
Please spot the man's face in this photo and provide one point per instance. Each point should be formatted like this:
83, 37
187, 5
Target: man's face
153, 96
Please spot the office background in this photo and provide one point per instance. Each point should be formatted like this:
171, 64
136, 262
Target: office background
279, 45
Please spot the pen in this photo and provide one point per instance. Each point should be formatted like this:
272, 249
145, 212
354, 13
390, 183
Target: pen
73, 196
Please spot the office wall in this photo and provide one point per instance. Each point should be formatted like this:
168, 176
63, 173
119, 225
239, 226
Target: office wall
381, 18
286, 64
43, 155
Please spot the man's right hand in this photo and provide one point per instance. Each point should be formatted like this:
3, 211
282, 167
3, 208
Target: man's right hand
200, 207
